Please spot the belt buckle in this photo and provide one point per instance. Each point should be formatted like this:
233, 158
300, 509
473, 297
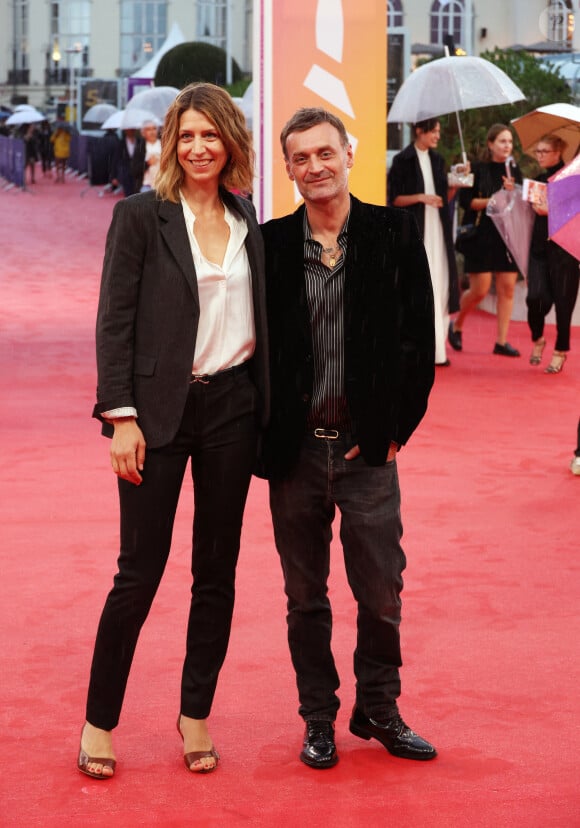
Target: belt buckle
326, 433
203, 378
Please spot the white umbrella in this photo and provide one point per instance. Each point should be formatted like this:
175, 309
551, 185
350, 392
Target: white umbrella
25, 116
129, 119
23, 107
99, 113
157, 100
451, 84
561, 119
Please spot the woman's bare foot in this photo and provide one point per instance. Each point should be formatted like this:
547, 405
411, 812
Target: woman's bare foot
199, 753
96, 756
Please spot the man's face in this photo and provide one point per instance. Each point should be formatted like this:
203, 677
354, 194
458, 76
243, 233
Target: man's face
318, 162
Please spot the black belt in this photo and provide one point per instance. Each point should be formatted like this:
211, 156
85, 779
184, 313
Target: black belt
326, 433
205, 379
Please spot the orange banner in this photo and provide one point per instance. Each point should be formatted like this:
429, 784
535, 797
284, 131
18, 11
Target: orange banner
329, 53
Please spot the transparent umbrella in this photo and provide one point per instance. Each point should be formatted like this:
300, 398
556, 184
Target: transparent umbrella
129, 119
157, 100
99, 113
25, 116
451, 84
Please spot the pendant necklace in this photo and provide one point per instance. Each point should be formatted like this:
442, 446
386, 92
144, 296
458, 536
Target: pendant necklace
331, 253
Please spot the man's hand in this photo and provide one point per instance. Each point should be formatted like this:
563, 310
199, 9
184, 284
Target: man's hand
355, 451
128, 450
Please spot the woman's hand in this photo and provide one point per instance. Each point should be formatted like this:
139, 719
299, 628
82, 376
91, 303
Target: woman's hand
431, 200
508, 182
128, 450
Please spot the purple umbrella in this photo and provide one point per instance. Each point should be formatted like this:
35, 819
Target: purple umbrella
564, 207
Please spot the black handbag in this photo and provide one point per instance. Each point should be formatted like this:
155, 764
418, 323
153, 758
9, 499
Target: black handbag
466, 239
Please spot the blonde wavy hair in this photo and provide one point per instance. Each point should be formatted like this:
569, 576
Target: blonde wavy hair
218, 107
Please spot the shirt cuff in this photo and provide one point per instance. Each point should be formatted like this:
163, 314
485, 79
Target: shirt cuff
116, 413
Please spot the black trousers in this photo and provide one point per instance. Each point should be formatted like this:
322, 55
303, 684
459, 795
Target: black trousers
552, 280
219, 433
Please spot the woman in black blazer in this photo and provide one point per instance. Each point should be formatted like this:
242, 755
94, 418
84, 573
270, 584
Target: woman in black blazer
182, 376
417, 181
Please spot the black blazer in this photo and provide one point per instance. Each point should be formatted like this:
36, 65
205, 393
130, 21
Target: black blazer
149, 311
405, 178
389, 333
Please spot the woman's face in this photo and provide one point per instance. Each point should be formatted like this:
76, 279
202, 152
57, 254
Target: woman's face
546, 155
200, 150
428, 140
502, 145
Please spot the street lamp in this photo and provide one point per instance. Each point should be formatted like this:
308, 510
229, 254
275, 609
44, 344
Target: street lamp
72, 50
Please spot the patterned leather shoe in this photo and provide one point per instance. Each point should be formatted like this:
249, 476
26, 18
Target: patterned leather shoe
319, 750
394, 734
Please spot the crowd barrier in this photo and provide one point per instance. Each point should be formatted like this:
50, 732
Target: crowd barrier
12, 158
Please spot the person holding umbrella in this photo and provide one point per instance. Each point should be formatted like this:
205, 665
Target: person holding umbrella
417, 182
489, 256
553, 274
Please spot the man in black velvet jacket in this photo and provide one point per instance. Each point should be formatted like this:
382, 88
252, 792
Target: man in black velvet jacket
350, 310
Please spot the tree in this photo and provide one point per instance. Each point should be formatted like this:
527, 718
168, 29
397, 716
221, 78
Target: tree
193, 61
541, 83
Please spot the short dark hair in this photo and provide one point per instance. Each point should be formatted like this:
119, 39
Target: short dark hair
428, 125
309, 117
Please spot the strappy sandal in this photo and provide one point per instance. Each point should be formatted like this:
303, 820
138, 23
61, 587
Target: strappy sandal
557, 363
197, 755
85, 760
537, 351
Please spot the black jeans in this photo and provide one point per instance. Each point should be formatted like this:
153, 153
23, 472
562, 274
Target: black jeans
552, 280
219, 433
303, 507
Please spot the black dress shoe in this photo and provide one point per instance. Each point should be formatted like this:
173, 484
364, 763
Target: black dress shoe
394, 734
505, 350
454, 338
319, 749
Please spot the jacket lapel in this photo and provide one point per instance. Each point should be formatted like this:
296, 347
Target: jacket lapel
174, 232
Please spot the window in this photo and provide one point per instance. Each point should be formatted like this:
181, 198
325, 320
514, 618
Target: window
447, 21
20, 54
560, 22
212, 21
70, 30
394, 13
143, 32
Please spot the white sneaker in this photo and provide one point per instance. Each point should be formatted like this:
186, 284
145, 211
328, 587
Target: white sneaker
575, 465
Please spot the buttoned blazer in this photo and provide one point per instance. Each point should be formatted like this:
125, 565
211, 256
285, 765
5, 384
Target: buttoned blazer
149, 311
388, 333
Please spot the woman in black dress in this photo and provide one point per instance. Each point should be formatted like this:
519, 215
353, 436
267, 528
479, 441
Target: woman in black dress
553, 273
490, 256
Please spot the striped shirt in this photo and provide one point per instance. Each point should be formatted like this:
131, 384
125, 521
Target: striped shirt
325, 296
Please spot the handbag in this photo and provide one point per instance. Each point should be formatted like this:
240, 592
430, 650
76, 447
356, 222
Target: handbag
466, 239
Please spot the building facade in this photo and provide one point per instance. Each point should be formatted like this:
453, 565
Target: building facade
47, 44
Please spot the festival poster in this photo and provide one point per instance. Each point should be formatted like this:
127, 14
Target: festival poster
330, 53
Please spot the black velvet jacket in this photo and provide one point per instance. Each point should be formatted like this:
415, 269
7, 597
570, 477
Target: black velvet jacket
389, 333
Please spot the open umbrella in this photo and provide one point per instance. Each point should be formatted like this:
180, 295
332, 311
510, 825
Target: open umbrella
451, 84
564, 207
99, 113
25, 116
157, 100
129, 119
562, 119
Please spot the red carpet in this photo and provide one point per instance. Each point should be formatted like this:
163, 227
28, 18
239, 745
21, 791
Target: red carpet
490, 630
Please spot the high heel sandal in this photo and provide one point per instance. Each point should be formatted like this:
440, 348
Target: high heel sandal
85, 760
537, 351
197, 755
557, 363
